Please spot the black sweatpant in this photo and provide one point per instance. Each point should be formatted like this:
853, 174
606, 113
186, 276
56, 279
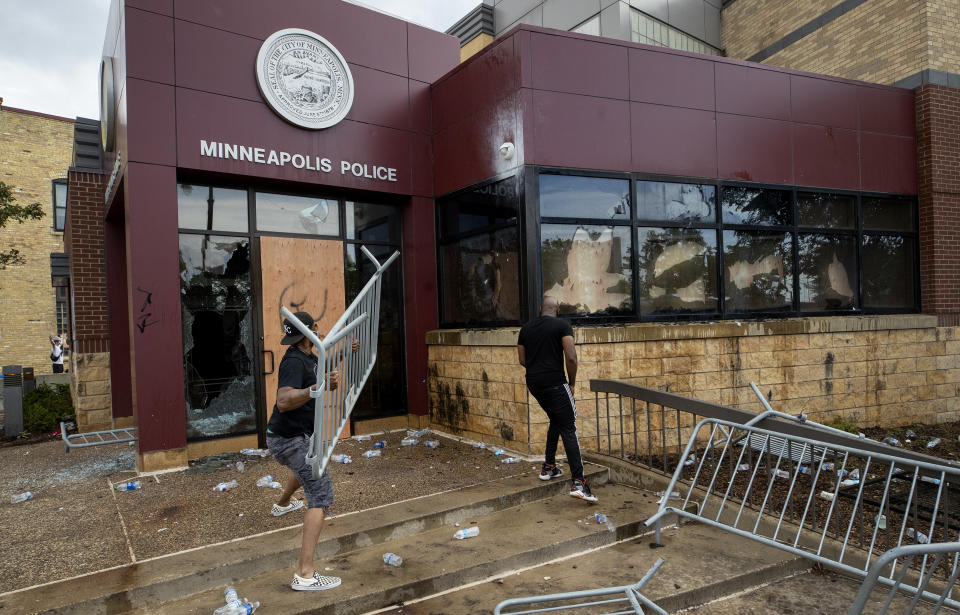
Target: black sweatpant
557, 402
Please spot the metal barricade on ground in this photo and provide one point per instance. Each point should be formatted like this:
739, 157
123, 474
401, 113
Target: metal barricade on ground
360, 323
568, 601
837, 505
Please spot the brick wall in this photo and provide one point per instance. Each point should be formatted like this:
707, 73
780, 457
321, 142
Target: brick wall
943, 35
882, 370
938, 183
880, 41
84, 242
35, 149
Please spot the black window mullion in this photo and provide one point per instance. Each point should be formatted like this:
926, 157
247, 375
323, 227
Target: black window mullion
795, 242
858, 219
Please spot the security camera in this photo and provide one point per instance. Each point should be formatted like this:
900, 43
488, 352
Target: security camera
507, 151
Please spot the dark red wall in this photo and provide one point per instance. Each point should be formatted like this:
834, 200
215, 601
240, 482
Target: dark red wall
571, 100
185, 72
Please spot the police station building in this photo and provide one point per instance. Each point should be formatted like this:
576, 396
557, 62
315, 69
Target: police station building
704, 221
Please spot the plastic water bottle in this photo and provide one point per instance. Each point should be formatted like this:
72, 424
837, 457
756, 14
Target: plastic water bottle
498, 452
467, 532
392, 559
341, 459
132, 485
431, 444
240, 467
21, 497
374, 453
480, 445
408, 441
275, 485
230, 595
264, 481
510, 460
933, 442
380, 444
239, 608
601, 518
225, 486
361, 437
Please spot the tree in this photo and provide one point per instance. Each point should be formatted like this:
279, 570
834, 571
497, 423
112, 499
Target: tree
11, 210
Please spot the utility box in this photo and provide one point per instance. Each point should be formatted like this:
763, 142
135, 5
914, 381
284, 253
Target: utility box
29, 380
13, 400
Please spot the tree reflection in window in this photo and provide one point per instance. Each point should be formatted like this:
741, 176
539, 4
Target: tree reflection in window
669, 202
587, 268
757, 271
756, 206
888, 272
677, 270
827, 269
217, 344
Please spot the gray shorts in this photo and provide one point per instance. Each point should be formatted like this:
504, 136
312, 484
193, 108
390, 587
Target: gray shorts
292, 452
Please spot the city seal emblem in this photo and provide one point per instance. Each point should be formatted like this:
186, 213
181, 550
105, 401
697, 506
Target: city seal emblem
304, 78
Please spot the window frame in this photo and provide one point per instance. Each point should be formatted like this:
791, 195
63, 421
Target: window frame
61, 181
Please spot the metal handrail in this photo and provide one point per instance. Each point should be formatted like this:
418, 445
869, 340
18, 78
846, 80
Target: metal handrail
359, 323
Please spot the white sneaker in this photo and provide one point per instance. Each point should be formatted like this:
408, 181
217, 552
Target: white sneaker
314, 583
278, 510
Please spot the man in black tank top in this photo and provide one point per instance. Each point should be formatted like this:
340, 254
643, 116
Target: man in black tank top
545, 347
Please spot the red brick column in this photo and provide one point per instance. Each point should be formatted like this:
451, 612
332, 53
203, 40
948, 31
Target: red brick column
938, 184
83, 239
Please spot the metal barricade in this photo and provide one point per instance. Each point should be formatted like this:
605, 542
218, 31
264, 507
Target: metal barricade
335, 353
909, 553
96, 438
568, 601
844, 509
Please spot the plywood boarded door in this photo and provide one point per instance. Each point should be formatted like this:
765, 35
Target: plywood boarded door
303, 275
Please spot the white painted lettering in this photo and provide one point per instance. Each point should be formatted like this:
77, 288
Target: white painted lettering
208, 149
272, 158
325, 165
284, 158
258, 155
392, 175
344, 167
299, 162
381, 172
229, 151
246, 153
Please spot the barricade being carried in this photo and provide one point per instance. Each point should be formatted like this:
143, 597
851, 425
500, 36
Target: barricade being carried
360, 323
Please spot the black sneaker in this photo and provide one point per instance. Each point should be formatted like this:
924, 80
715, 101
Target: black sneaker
549, 471
582, 491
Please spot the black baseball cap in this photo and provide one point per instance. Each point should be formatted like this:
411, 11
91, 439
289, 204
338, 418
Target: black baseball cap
292, 335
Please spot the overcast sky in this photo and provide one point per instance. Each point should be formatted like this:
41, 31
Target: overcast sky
50, 49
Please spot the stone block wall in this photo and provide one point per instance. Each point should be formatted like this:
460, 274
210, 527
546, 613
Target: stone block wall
35, 149
881, 370
90, 388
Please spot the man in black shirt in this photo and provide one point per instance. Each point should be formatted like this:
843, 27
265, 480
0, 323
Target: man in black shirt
288, 438
545, 345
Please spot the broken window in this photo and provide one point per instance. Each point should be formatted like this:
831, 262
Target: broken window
284, 213
889, 271
827, 268
206, 208
576, 196
216, 309
479, 237
757, 206
587, 268
677, 270
669, 202
758, 271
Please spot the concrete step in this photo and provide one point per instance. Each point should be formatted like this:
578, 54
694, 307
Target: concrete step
524, 535
171, 577
701, 564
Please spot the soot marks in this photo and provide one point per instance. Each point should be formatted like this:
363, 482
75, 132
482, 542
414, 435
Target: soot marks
828, 365
486, 385
506, 432
450, 408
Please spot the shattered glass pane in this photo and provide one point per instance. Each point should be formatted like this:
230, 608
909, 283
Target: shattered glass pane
663, 201
757, 271
385, 393
574, 196
481, 278
587, 268
216, 306
828, 272
889, 272
677, 270
285, 213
